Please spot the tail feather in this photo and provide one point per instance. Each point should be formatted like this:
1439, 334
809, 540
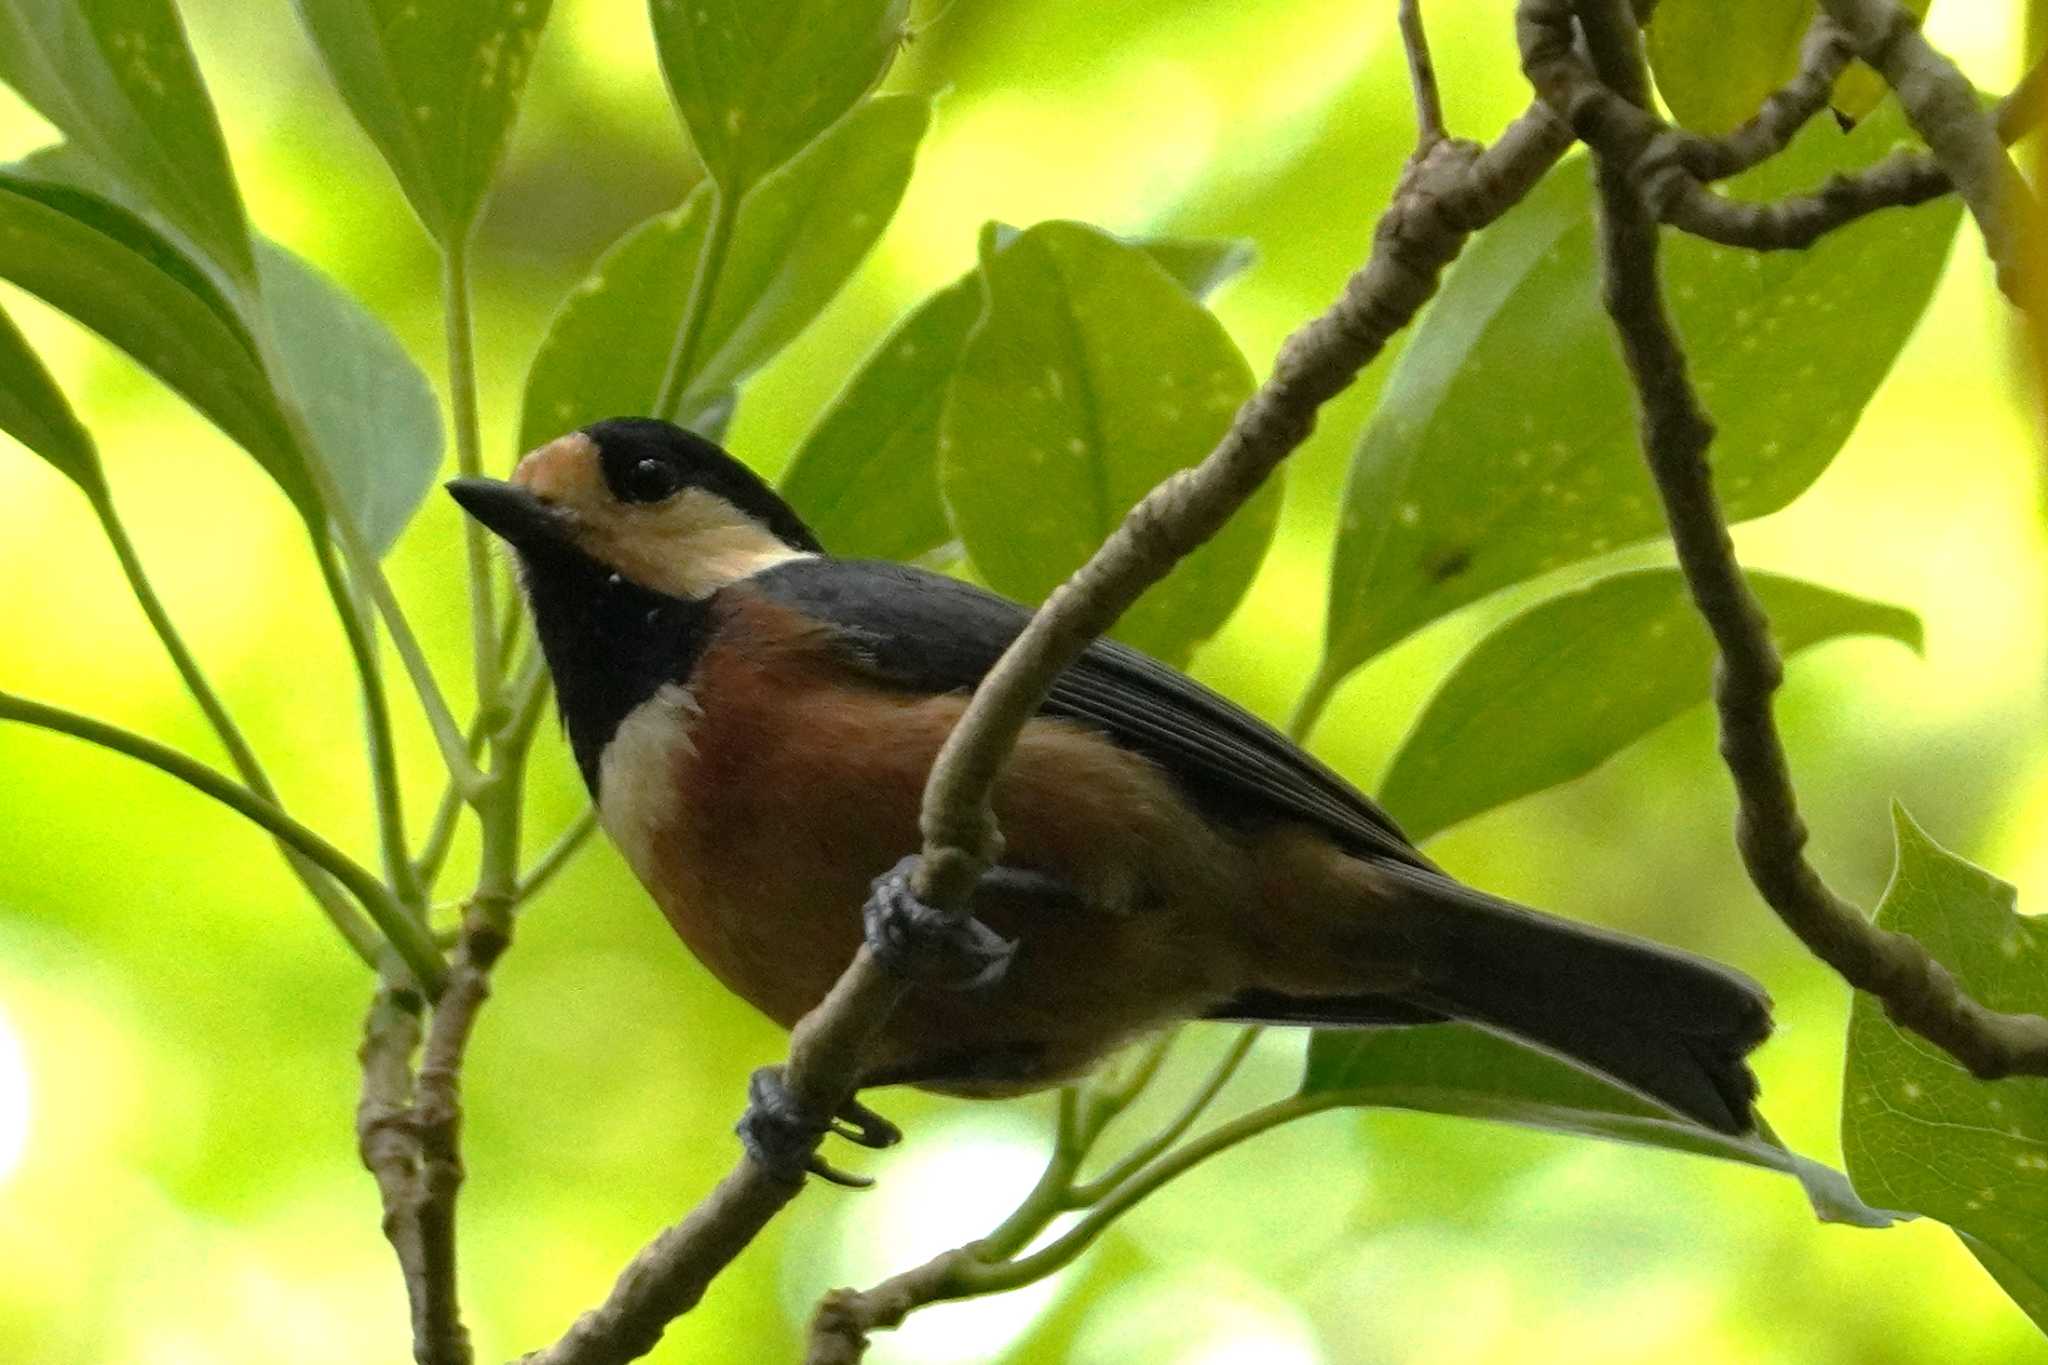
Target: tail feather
1669, 1025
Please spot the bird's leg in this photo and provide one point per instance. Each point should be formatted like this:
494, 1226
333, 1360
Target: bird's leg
924, 944
783, 1135
919, 942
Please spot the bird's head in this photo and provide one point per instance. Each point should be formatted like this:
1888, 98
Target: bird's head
657, 505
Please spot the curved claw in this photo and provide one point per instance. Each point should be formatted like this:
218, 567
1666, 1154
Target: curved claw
921, 942
783, 1136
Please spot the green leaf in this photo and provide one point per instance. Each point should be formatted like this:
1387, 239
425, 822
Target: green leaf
1918, 1131
1564, 686
1464, 1070
117, 78
436, 86
1093, 376
867, 476
1505, 443
2024, 1290
111, 271
1715, 60
370, 409
33, 412
799, 236
757, 80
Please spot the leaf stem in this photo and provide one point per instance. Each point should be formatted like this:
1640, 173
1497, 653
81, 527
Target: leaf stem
677, 374
389, 804
1094, 1191
557, 856
357, 931
1315, 699
462, 405
405, 933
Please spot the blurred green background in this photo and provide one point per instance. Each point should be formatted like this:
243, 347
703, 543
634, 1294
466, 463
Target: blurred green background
177, 1171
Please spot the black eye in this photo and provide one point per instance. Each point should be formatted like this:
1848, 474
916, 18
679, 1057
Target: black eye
650, 481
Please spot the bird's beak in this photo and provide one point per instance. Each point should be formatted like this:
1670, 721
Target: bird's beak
513, 512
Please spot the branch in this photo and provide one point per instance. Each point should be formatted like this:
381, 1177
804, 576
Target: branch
409, 1133
1429, 105
1918, 992
1452, 189
1942, 106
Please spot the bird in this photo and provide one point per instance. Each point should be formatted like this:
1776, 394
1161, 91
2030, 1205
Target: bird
755, 719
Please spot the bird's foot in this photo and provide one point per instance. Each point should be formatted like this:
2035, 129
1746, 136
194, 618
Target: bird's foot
781, 1134
922, 943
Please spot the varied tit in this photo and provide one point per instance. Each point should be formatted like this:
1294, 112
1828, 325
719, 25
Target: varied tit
756, 718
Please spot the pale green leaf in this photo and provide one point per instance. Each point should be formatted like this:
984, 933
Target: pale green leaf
117, 78
867, 476
370, 409
1918, 1131
1715, 60
757, 80
111, 271
1092, 377
1564, 686
33, 411
1464, 1070
1505, 444
799, 236
436, 86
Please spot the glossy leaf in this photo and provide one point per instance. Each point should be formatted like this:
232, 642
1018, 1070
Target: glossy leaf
1564, 686
34, 412
756, 81
107, 268
1463, 1070
799, 236
1918, 1131
436, 86
117, 78
370, 409
1092, 376
1505, 442
867, 476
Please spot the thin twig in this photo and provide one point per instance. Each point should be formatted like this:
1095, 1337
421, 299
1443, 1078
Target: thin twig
1918, 992
1445, 195
557, 856
1429, 105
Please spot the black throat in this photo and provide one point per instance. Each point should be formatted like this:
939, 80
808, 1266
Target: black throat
610, 643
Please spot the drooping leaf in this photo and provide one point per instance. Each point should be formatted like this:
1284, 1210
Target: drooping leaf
436, 86
105, 267
117, 78
33, 411
1505, 443
1918, 1131
1464, 1070
757, 80
371, 411
866, 477
1092, 376
800, 234
1569, 683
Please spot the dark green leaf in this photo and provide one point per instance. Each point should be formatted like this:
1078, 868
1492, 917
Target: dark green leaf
867, 476
1918, 1131
436, 87
369, 407
1460, 1069
1558, 690
1505, 443
116, 77
1092, 377
114, 273
33, 412
757, 80
800, 234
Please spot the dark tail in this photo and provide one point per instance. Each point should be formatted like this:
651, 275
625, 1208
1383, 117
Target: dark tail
1660, 1021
